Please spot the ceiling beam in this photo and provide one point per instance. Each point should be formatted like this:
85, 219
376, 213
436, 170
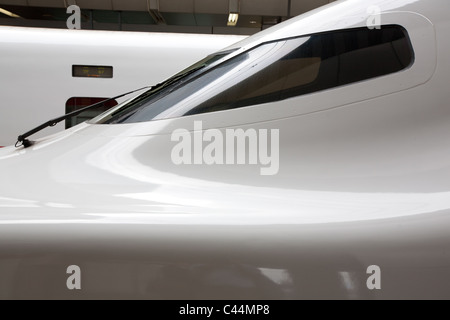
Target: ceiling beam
153, 9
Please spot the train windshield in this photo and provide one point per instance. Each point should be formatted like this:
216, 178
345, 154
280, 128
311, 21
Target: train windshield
272, 72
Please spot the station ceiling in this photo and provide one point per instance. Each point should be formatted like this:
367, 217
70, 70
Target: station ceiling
192, 16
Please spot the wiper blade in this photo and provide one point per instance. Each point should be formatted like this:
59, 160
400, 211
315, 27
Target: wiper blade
27, 143
158, 87
177, 77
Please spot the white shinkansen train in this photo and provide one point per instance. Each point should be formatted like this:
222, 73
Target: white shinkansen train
310, 160
48, 72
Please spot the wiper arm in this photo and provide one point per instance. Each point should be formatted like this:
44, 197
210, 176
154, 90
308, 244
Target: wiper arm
27, 143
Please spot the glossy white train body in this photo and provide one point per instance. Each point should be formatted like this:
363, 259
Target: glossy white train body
36, 68
363, 183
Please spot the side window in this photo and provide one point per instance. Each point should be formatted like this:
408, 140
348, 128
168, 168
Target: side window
77, 103
322, 62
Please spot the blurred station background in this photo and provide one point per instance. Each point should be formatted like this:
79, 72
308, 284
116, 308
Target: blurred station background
185, 16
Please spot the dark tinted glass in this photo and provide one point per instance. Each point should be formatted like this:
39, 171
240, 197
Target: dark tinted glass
278, 70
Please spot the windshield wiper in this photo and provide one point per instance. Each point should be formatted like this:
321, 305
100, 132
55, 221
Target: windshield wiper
154, 90
27, 143
177, 77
